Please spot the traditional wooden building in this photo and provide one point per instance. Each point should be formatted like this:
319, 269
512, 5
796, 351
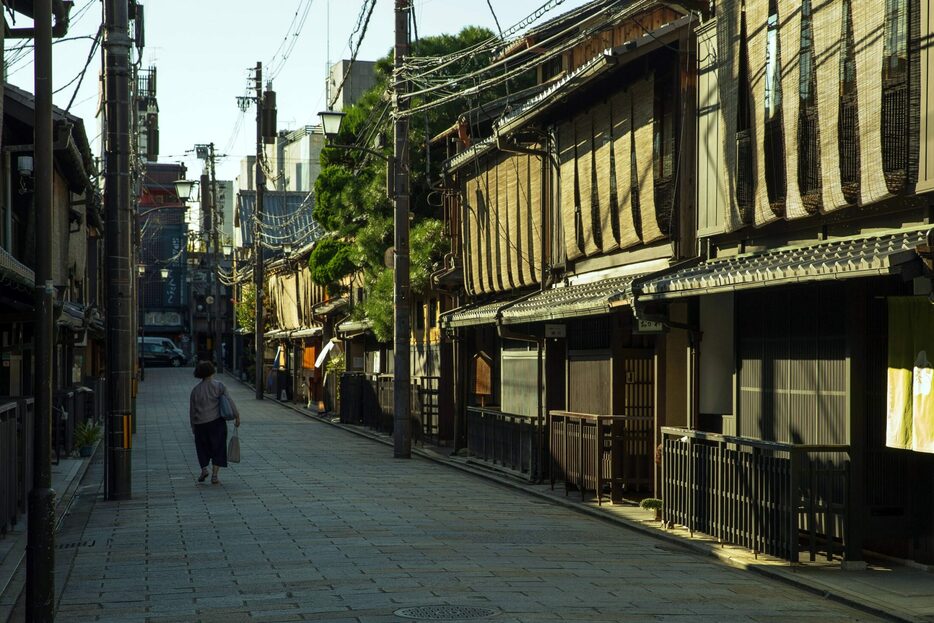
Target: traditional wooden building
563, 201
809, 314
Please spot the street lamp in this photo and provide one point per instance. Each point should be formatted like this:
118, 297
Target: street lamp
287, 249
164, 273
227, 248
183, 189
331, 122
141, 269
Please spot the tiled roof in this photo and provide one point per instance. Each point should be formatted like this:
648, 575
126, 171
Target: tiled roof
586, 299
286, 218
880, 254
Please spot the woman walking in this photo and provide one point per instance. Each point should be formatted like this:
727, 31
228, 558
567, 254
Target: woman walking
209, 428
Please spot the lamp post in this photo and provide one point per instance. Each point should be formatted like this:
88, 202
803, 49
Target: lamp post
330, 122
141, 346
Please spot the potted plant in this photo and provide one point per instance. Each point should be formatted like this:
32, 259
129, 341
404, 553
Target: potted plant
653, 504
86, 435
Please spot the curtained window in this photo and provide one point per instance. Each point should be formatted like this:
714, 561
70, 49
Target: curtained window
895, 95
849, 120
773, 141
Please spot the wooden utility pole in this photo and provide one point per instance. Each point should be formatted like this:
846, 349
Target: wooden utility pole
257, 236
215, 264
402, 438
119, 245
40, 544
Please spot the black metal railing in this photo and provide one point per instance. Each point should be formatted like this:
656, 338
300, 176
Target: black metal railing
773, 498
9, 472
593, 453
506, 439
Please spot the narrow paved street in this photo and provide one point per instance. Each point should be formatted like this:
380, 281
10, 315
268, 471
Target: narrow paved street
319, 524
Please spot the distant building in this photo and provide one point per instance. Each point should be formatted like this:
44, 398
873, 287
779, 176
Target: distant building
147, 107
362, 77
296, 161
226, 199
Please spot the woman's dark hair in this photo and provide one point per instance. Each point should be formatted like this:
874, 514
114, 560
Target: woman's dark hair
204, 369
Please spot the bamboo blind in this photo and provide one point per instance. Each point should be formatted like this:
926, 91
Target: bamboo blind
472, 234
486, 224
536, 229
509, 233
497, 228
868, 30
789, 20
602, 141
828, 43
583, 134
728, 44
622, 152
520, 217
288, 304
757, 16
643, 112
568, 173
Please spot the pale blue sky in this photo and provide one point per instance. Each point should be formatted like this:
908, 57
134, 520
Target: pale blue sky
204, 49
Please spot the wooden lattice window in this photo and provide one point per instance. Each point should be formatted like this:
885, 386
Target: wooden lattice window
895, 95
664, 148
809, 170
849, 115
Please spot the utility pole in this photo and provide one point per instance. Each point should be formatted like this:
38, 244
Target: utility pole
402, 439
119, 246
257, 236
215, 264
40, 545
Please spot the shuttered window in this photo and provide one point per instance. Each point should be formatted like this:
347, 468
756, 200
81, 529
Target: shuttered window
805, 153
896, 111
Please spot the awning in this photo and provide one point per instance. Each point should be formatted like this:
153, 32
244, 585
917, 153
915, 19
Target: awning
329, 307
354, 326
305, 332
276, 334
473, 315
558, 303
863, 256
586, 299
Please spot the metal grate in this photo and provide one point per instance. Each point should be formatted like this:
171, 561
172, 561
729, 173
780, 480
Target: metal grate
745, 176
446, 613
809, 172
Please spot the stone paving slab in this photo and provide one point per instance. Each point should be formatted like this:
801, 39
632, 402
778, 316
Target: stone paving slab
319, 525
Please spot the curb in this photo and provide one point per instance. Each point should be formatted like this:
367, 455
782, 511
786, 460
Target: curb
62, 507
775, 573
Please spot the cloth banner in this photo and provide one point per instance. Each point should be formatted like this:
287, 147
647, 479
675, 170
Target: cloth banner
910, 393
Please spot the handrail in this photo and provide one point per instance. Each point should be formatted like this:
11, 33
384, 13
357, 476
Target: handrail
594, 416
755, 443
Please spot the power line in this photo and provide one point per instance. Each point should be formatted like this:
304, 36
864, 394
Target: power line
368, 9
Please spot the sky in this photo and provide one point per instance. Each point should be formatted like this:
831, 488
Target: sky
205, 50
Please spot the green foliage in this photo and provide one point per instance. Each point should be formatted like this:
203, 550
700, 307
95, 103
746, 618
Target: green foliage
427, 248
350, 193
330, 261
651, 504
378, 303
87, 434
246, 306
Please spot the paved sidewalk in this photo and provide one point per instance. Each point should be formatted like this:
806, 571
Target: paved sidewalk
318, 524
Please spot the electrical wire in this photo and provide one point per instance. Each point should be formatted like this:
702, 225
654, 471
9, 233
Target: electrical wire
367, 8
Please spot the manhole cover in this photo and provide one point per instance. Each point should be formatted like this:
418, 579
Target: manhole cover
445, 613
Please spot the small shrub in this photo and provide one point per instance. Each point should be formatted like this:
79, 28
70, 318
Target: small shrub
87, 434
651, 504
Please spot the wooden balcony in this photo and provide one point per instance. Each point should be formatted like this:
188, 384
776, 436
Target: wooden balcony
773, 498
595, 453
